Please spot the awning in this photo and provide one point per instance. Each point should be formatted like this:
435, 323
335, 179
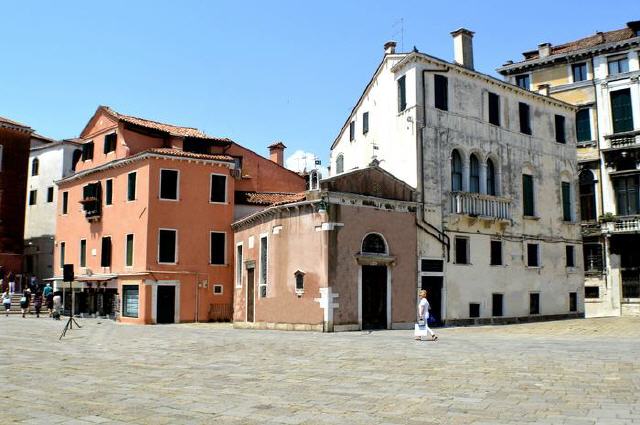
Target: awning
95, 278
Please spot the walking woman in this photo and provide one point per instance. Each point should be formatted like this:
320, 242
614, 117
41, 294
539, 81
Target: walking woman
6, 301
422, 327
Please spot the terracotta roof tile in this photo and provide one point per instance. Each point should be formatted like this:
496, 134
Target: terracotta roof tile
13, 123
174, 130
183, 154
271, 198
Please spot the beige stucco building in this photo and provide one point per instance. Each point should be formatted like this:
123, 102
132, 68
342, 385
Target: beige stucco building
340, 256
599, 74
496, 176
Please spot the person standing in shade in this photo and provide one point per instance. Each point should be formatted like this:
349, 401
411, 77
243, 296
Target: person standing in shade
6, 301
37, 302
48, 298
24, 301
422, 327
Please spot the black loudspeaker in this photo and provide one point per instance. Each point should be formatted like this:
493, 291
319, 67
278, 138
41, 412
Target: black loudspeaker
67, 273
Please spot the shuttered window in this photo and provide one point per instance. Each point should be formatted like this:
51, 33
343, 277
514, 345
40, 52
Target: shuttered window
621, 111
626, 189
105, 260
87, 151
527, 195
131, 186
566, 201
587, 196
402, 94
440, 89
110, 143
583, 125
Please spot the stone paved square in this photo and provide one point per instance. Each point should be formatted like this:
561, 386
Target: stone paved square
566, 372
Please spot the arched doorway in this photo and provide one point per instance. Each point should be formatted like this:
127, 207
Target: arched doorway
374, 283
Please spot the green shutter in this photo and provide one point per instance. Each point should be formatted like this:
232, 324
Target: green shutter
566, 201
129, 251
583, 125
402, 94
527, 195
621, 111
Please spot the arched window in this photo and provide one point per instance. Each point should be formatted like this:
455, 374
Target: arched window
35, 165
314, 180
373, 243
491, 178
474, 174
587, 196
340, 164
456, 172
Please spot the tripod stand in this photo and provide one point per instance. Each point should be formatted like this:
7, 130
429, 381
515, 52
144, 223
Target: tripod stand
71, 320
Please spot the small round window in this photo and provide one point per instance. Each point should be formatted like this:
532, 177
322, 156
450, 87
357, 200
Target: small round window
374, 244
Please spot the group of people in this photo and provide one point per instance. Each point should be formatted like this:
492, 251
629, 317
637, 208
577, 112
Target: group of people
38, 296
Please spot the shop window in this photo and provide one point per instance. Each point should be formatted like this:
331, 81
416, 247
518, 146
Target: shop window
218, 190
130, 300
496, 305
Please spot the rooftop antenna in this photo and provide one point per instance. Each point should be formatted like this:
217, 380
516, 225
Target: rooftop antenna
399, 23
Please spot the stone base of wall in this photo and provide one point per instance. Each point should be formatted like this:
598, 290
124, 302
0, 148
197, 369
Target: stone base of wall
512, 320
630, 309
279, 326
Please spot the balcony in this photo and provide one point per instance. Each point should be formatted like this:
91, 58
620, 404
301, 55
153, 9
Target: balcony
623, 140
482, 206
622, 224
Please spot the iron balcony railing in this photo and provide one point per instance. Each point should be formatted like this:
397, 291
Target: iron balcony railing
479, 205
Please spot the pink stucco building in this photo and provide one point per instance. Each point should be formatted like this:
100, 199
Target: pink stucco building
340, 256
146, 219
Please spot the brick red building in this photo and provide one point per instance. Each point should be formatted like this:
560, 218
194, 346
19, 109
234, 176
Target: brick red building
14, 156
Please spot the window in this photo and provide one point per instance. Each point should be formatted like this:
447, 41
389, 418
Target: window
131, 186
167, 246
441, 84
299, 281
65, 202
83, 253
494, 109
570, 256
462, 250
63, 247
567, 214
108, 192
105, 260
474, 175
587, 196
217, 248
340, 164
528, 205
618, 65
130, 300
33, 197
427, 265
474, 310
525, 118
50, 194
560, 133
491, 178
456, 172
579, 71
352, 130
496, 305
218, 191
87, 151
128, 254
621, 112
496, 253
533, 255
534, 303
573, 301
35, 166
592, 292
110, 143
217, 289
239, 266
373, 243
627, 192
523, 81
264, 252
583, 125
365, 123
592, 255
169, 184
402, 94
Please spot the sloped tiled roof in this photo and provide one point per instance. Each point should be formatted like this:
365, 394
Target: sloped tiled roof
173, 130
15, 124
184, 154
269, 198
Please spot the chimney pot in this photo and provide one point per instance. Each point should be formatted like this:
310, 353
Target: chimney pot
544, 50
463, 47
276, 153
389, 47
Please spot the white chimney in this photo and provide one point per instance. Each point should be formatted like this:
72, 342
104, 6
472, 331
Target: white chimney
463, 47
544, 50
389, 47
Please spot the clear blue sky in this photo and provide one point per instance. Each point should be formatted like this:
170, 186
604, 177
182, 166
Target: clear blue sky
253, 71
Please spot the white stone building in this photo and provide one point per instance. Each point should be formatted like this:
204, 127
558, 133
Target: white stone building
600, 74
496, 172
49, 161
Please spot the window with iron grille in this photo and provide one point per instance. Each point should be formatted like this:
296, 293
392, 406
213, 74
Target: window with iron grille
593, 260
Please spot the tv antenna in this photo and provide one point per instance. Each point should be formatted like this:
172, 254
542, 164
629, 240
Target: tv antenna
399, 30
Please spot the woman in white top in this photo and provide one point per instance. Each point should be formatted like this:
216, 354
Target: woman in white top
423, 317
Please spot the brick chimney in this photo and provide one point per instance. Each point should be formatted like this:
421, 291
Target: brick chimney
389, 47
276, 153
544, 50
463, 47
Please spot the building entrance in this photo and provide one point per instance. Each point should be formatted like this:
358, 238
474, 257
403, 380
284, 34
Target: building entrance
166, 305
374, 297
250, 295
433, 286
